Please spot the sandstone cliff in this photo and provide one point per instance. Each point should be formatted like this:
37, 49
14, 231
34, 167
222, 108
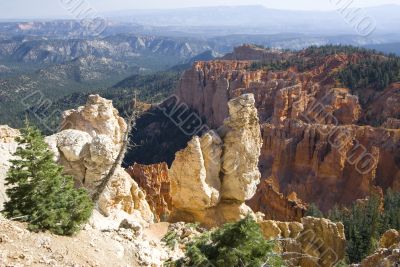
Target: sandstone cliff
313, 140
275, 205
213, 177
87, 147
340, 163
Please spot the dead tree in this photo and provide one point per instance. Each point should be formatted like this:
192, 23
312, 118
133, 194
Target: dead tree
131, 123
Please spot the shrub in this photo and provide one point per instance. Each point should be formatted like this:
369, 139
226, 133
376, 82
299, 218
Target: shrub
39, 193
233, 245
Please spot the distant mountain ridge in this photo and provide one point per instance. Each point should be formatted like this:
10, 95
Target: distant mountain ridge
271, 20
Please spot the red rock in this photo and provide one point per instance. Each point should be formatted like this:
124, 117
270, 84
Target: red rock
154, 180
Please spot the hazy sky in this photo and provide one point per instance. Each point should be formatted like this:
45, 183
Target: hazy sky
54, 8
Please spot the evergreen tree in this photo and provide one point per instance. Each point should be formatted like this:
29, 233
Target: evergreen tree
38, 191
314, 211
361, 223
233, 245
391, 214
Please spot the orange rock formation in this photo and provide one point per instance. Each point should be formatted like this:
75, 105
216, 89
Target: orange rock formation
314, 144
153, 179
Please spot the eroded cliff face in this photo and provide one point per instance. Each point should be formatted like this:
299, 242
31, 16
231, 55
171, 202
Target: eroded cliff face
279, 95
213, 177
87, 147
155, 182
340, 163
275, 205
313, 141
8, 146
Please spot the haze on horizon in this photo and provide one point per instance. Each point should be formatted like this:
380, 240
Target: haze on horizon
18, 9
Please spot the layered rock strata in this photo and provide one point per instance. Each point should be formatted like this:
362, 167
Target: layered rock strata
213, 177
340, 163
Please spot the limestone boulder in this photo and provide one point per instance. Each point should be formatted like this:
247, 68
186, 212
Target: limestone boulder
73, 144
98, 116
88, 148
389, 238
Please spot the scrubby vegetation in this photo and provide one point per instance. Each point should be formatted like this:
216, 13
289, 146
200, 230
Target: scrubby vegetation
233, 245
39, 193
365, 222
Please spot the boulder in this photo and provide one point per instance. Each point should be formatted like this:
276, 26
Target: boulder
87, 147
389, 238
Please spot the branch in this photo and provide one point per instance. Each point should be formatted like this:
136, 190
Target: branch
118, 161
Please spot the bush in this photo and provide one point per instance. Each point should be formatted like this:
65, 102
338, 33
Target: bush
39, 194
233, 245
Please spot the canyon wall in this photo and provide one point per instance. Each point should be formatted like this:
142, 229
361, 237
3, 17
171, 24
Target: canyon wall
155, 182
313, 144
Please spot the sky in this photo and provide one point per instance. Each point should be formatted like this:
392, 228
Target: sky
56, 8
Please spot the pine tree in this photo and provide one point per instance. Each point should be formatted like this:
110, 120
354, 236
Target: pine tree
314, 211
237, 244
391, 214
39, 193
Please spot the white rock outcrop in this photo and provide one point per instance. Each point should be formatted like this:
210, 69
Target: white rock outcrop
202, 190
87, 147
8, 146
216, 173
242, 147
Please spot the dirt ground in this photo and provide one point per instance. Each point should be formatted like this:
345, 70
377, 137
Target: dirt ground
19, 247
